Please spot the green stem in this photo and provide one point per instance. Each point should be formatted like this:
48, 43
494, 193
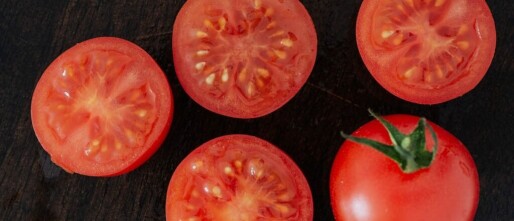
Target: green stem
408, 150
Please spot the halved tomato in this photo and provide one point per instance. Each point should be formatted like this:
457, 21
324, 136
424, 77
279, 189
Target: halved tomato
238, 177
102, 108
426, 51
246, 58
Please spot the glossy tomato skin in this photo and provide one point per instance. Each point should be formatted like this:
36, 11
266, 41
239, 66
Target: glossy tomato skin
88, 89
238, 177
243, 59
366, 185
464, 31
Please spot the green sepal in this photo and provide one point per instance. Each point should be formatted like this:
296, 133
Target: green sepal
408, 150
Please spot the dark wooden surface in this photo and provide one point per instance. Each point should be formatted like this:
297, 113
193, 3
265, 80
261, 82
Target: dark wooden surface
336, 96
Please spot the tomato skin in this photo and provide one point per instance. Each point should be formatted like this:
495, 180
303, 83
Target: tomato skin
68, 152
191, 194
366, 185
229, 99
383, 63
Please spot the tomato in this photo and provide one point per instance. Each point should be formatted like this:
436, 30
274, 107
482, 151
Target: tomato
238, 177
365, 184
243, 59
426, 52
102, 108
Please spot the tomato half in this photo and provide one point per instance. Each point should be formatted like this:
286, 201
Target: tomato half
243, 59
238, 177
367, 185
426, 52
102, 108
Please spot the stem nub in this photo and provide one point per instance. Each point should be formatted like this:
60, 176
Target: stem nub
408, 150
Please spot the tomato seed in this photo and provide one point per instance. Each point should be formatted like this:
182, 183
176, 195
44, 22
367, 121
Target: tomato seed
210, 79
200, 65
201, 34
286, 42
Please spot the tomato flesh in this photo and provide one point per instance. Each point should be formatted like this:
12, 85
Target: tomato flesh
243, 59
238, 177
99, 109
426, 51
366, 185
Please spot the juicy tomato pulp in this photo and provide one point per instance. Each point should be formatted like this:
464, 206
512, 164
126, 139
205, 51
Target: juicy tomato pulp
246, 58
238, 177
366, 185
102, 108
426, 52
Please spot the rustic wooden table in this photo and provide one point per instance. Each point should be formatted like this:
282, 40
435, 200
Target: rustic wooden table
336, 97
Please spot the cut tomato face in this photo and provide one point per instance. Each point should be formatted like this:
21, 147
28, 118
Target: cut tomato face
238, 177
243, 59
426, 52
102, 108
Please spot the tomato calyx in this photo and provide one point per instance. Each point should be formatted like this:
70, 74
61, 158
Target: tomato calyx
408, 150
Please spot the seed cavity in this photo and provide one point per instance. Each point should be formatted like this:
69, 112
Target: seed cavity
141, 113
463, 29
242, 75
285, 197
283, 209
222, 22
239, 165
260, 83
400, 7
398, 40
428, 78
257, 4
104, 148
463, 45
196, 165
93, 147
263, 72
117, 145
409, 73
410, 3
268, 12
250, 89
439, 71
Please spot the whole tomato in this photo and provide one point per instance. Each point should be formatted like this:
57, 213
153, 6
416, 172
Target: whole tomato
425, 175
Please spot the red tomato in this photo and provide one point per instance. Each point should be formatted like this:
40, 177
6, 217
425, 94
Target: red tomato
102, 108
238, 177
426, 52
367, 185
243, 59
